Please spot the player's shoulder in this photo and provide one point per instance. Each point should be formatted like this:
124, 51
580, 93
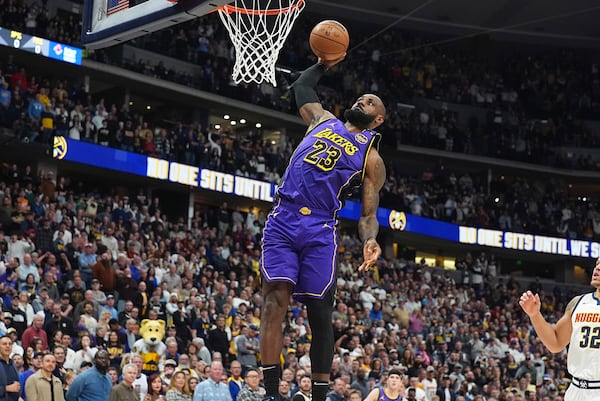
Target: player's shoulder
576, 300
325, 116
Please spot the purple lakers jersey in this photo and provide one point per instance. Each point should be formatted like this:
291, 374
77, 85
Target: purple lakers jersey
384, 397
326, 165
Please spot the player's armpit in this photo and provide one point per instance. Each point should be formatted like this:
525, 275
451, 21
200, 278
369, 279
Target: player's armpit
313, 114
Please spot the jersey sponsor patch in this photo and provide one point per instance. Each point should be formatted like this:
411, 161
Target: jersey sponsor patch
361, 138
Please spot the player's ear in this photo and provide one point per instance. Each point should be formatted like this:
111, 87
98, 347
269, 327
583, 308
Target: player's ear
379, 119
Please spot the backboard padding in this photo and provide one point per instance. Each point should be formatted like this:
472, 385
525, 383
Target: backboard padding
103, 30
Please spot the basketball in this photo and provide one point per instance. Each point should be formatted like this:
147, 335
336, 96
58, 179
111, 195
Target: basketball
329, 40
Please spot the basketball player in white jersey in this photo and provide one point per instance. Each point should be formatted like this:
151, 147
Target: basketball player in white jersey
579, 327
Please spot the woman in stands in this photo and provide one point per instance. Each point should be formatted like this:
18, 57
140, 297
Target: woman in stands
155, 388
85, 353
29, 286
408, 358
178, 388
115, 348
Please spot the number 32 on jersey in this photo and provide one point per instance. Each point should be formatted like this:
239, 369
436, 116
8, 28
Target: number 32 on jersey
590, 337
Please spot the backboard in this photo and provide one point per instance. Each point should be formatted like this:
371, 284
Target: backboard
110, 22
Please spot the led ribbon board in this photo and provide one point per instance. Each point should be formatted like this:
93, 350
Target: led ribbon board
193, 176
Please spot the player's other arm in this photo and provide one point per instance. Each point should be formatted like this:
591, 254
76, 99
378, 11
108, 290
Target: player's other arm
308, 103
555, 338
368, 227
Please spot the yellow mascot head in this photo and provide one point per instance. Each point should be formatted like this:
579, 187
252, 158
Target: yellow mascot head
152, 331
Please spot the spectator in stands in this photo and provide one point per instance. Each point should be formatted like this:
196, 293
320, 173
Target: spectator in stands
18, 247
360, 383
218, 340
86, 260
124, 391
338, 392
284, 390
94, 384
235, 381
247, 347
35, 331
9, 377
251, 391
60, 355
212, 389
36, 386
110, 307
155, 388
304, 392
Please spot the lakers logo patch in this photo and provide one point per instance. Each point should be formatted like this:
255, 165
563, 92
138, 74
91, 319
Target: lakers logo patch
305, 211
361, 138
59, 148
397, 220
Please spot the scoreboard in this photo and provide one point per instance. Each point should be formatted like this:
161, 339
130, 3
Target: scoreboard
41, 46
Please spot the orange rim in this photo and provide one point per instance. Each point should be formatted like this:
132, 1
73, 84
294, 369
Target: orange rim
229, 9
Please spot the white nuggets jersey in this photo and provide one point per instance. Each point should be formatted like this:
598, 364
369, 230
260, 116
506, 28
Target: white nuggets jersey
583, 360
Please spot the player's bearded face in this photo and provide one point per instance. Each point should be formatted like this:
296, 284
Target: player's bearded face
358, 118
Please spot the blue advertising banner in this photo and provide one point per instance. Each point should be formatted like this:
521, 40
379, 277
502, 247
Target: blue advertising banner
146, 166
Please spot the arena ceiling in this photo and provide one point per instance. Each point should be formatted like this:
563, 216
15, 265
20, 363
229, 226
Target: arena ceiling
536, 21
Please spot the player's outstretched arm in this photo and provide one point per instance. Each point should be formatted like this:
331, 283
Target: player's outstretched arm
368, 226
555, 338
308, 103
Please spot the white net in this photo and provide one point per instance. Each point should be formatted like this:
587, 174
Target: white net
258, 29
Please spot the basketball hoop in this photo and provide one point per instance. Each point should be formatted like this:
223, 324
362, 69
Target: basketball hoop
258, 30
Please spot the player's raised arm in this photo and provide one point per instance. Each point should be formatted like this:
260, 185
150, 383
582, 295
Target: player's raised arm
307, 100
555, 338
368, 226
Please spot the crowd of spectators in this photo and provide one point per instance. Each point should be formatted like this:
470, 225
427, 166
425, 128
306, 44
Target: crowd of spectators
509, 203
33, 18
74, 265
535, 101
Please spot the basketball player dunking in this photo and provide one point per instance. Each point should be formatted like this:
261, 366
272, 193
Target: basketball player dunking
300, 235
580, 329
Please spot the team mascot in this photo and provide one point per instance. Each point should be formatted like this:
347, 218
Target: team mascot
151, 347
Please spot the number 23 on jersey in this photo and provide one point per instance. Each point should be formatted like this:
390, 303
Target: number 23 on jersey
323, 156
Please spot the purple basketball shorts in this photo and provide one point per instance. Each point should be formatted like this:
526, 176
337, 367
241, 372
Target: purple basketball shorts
300, 247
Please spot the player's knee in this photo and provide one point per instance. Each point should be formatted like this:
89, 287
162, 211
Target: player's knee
319, 311
275, 303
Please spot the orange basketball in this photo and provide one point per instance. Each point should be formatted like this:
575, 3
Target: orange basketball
329, 40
